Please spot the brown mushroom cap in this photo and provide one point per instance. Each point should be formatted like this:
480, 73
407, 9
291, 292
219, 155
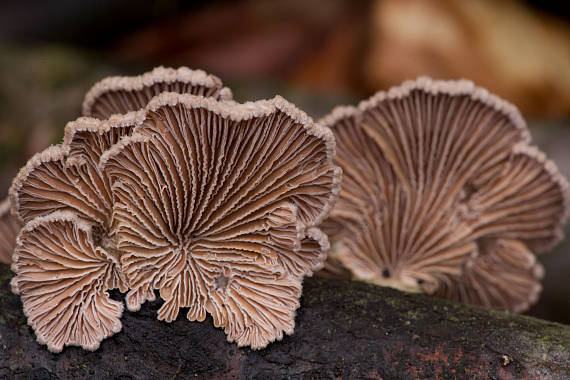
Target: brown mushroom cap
9, 228
119, 95
253, 305
525, 198
429, 169
63, 278
47, 184
216, 206
66, 176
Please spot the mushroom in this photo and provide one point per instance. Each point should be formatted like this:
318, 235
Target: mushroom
65, 179
505, 274
65, 247
63, 275
442, 193
9, 228
217, 206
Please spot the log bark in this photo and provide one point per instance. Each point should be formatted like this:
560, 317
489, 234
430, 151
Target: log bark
343, 330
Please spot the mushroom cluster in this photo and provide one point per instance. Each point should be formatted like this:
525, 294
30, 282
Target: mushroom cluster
168, 184
442, 193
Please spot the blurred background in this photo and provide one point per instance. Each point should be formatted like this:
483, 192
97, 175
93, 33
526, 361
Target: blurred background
316, 53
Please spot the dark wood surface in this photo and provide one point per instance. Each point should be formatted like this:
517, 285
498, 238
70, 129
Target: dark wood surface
343, 330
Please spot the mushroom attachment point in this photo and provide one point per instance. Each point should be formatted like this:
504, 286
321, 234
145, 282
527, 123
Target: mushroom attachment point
443, 194
217, 206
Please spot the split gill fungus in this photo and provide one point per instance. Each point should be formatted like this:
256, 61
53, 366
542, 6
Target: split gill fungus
167, 184
442, 193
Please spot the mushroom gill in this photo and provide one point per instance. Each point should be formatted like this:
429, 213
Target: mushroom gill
505, 275
432, 169
217, 204
63, 279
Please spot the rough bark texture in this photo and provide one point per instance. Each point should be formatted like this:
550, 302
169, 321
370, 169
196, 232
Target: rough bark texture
343, 330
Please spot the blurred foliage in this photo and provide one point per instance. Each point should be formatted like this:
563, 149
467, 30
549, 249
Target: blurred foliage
41, 89
504, 46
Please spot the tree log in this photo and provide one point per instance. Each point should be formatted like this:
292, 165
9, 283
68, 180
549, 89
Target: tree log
343, 330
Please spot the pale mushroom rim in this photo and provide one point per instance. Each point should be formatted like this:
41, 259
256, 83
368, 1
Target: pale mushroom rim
435, 87
158, 74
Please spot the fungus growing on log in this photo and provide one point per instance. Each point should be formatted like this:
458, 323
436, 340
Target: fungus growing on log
65, 180
213, 203
505, 275
443, 194
9, 228
217, 206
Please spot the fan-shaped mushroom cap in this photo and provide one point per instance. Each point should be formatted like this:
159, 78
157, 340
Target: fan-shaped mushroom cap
47, 183
66, 179
430, 168
255, 306
63, 277
119, 95
216, 205
524, 197
9, 228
